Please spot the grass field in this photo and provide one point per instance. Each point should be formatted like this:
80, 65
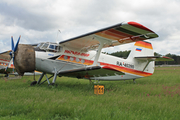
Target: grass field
152, 98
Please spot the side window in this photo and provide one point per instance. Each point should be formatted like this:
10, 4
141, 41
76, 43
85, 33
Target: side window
58, 48
51, 47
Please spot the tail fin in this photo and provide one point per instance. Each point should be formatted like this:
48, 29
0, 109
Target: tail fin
144, 51
142, 56
141, 49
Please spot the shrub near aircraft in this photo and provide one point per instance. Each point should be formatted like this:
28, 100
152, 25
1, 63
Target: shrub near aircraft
76, 57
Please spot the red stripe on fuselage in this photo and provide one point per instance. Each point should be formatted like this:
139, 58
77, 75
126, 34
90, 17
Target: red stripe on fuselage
90, 62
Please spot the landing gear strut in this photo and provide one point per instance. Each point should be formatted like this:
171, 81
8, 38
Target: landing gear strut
47, 79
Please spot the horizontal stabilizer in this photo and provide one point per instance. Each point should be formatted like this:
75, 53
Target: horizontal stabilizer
93, 71
155, 58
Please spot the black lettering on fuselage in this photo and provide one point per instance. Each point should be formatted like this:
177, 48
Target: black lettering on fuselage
127, 65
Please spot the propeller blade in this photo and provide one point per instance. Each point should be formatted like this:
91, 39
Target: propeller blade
12, 43
13, 64
17, 44
9, 64
11, 61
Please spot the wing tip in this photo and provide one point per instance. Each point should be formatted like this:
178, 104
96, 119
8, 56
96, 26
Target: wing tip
135, 24
170, 59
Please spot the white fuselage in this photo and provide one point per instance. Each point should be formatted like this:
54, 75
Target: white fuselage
67, 59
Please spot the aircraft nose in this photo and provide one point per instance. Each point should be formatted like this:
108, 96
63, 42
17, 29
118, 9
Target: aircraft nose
24, 60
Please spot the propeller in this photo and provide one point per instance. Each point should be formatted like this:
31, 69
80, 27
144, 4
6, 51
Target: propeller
22, 57
14, 48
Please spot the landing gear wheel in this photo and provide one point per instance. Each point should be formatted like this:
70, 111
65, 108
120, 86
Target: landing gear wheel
33, 83
6, 75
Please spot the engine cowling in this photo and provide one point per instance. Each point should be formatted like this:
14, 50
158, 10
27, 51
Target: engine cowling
24, 59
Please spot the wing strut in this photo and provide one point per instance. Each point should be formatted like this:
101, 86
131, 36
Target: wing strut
101, 45
98, 53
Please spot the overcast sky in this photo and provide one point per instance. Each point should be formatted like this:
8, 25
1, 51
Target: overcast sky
38, 21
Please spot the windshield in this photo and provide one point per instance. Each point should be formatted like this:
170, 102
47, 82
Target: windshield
50, 47
40, 45
45, 46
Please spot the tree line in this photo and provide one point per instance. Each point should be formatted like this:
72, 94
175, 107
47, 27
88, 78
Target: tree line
124, 54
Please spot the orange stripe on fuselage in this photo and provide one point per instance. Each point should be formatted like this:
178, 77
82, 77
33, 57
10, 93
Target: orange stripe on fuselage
118, 68
143, 44
128, 70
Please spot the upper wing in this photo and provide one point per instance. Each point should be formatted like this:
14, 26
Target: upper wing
115, 35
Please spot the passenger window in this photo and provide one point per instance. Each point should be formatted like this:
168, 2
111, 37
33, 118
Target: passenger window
82, 60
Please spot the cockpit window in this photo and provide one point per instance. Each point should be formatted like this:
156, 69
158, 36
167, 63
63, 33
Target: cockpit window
50, 47
45, 46
40, 45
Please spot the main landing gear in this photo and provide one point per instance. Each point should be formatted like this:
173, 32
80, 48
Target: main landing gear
47, 79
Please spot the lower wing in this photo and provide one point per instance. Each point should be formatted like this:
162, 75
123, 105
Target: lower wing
155, 58
93, 71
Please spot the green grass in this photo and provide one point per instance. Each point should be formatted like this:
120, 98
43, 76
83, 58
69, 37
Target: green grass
152, 98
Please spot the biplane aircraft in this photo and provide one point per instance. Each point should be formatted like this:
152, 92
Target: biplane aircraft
81, 57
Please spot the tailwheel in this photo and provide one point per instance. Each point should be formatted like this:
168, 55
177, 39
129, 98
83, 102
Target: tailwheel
33, 83
134, 81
